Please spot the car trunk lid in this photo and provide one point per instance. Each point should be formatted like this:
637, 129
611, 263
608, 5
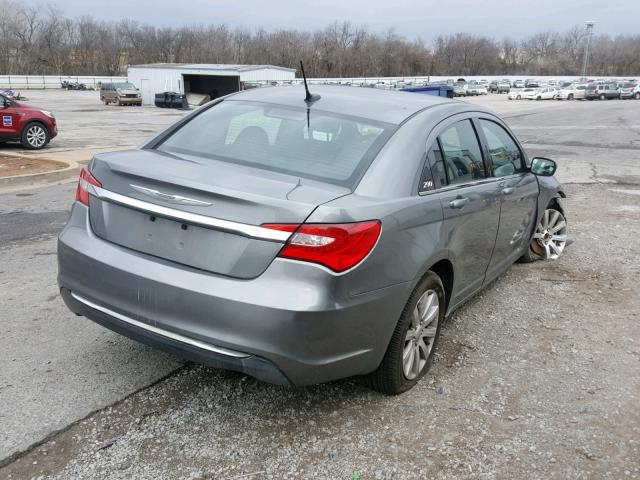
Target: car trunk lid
202, 214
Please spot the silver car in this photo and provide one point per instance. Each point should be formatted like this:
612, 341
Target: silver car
305, 240
572, 92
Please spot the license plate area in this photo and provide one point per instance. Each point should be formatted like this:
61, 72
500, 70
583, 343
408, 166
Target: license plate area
192, 245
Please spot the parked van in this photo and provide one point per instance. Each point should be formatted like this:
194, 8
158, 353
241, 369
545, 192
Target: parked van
120, 93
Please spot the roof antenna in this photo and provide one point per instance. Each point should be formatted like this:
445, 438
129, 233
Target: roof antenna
309, 97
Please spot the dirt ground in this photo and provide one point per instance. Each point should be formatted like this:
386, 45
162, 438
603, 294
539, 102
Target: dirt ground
536, 377
13, 165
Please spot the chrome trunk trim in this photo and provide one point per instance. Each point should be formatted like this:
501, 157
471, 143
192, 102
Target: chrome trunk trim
252, 231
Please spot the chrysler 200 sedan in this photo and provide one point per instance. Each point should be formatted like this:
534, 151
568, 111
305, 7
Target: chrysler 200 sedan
304, 241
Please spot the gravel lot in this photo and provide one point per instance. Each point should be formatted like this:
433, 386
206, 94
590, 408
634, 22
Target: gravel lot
536, 377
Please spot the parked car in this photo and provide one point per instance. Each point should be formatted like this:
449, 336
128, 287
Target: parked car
545, 93
531, 83
601, 91
629, 90
459, 90
499, 86
520, 93
262, 233
33, 127
572, 92
476, 89
518, 84
120, 93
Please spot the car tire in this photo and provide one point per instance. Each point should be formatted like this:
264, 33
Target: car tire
637, 96
570, 97
35, 136
603, 97
535, 250
538, 97
518, 97
391, 376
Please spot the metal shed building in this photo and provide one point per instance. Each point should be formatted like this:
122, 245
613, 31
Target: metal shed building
213, 80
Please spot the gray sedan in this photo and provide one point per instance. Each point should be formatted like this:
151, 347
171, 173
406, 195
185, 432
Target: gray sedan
301, 241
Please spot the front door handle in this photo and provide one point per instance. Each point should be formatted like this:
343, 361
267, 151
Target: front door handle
458, 202
508, 190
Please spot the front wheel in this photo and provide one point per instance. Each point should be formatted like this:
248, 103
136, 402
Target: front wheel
518, 97
570, 97
410, 352
637, 96
550, 237
603, 97
35, 136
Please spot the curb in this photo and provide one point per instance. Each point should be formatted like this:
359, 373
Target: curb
41, 179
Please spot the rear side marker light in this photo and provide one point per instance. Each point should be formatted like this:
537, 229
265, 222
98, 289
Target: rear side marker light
338, 246
86, 179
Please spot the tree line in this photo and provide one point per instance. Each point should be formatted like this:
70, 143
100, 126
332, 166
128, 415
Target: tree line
41, 40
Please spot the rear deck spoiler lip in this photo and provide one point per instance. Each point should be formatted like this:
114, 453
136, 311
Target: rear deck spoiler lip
251, 231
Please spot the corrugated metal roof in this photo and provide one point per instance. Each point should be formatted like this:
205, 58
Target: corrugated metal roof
212, 66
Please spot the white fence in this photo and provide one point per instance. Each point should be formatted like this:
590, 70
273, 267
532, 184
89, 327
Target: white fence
33, 82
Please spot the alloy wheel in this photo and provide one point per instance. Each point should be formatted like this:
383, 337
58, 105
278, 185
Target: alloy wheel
421, 334
36, 136
551, 235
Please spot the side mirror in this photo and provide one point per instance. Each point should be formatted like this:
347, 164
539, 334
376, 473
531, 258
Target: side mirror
545, 167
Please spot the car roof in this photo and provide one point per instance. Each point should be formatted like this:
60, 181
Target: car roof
375, 104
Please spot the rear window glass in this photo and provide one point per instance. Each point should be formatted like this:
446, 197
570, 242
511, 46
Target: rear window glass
306, 143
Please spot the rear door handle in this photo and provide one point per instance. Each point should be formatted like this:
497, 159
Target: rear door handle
508, 190
458, 202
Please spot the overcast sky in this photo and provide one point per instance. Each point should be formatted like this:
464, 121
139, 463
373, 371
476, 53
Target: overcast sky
411, 18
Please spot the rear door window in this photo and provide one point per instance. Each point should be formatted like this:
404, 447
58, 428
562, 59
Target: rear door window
506, 158
462, 155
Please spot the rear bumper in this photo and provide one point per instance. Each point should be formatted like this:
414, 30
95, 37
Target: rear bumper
177, 345
292, 325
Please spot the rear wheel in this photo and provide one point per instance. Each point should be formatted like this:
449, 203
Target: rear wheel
637, 96
602, 96
570, 97
34, 136
410, 352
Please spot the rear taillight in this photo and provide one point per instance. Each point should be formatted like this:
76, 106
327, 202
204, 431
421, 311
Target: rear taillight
86, 179
338, 246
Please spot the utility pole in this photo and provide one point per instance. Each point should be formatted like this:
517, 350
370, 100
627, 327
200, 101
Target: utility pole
585, 60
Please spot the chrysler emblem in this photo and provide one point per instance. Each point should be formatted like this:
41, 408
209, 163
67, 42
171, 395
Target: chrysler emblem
167, 197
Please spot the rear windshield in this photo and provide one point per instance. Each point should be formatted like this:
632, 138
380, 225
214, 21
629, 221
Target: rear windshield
305, 143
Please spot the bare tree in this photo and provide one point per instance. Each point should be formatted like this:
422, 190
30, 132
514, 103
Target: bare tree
41, 40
